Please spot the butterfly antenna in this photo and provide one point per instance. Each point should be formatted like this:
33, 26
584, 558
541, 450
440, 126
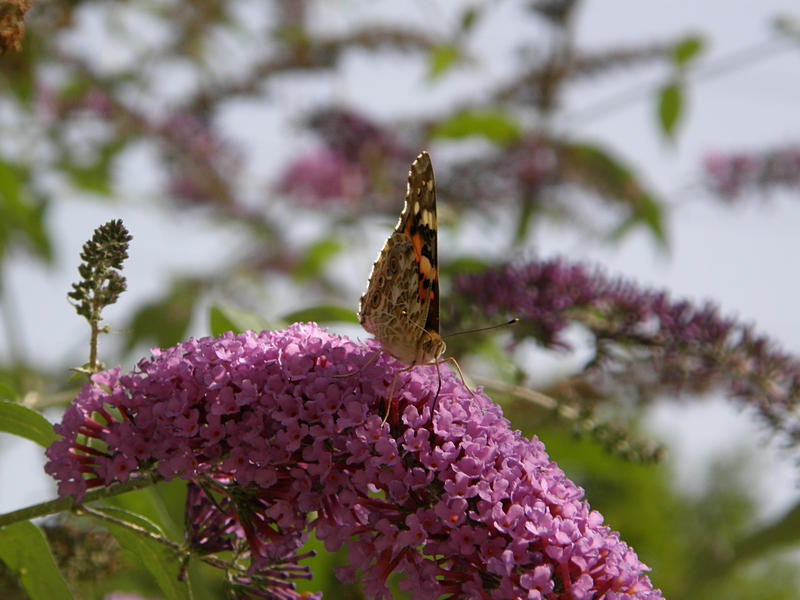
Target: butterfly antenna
417, 325
511, 322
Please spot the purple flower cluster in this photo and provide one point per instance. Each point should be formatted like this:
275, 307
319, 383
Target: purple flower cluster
732, 175
643, 339
360, 163
517, 172
289, 423
203, 165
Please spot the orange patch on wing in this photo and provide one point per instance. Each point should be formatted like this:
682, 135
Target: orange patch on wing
416, 243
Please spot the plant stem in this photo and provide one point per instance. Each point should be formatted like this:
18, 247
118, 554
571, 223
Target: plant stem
65, 504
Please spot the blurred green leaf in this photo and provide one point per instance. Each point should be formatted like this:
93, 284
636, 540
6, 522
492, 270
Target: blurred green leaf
648, 214
787, 25
497, 127
24, 422
322, 314
24, 550
159, 560
595, 169
21, 217
17, 69
223, 319
781, 534
8, 391
96, 178
469, 18
316, 257
687, 50
467, 265
670, 102
164, 323
442, 59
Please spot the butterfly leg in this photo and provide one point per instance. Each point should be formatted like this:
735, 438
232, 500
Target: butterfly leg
391, 393
439, 375
357, 371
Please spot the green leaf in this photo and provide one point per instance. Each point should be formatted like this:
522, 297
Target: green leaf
787, 25
687, 50
596, 170
469, 18
223, 319
467, 265
648, 214
122, 514
164, 323
8, 391
497, 127
24, 422
322, 314
96, 177
316, 257
18, 69
162, 563
24, 550
21, 214
669, 107
442, 59
151, 504
784, 533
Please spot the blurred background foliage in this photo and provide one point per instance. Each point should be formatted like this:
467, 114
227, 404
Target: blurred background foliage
165, 86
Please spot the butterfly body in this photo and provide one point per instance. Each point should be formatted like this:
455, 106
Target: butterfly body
401, 304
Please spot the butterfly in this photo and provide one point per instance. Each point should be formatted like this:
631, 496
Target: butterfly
401, 305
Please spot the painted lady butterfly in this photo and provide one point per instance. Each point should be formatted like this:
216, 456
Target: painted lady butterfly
401, 304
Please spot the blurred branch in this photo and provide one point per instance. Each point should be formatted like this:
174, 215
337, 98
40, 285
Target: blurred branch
711, 70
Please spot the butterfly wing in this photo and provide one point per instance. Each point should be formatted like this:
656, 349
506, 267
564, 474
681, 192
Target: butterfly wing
401, 304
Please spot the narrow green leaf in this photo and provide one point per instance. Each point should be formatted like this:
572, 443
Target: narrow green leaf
150, 504
164, 323
128, 516
24, 550
669, 107
649, 214
782, 534
596, 170
223, 319
97, 176
323, 314
316, 257
467, 265
21, 213
162, 563
469, 18
8, 391
497, 127
442, 59
687, 50
24, 422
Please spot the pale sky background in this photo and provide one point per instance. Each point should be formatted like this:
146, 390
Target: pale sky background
744, 258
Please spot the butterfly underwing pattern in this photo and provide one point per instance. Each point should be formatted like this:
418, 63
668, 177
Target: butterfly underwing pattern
401, 304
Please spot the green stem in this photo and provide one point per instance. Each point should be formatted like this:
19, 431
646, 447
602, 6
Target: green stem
67, 504
94, 323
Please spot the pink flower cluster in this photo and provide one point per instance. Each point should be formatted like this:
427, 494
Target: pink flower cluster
288, 423
359, 164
